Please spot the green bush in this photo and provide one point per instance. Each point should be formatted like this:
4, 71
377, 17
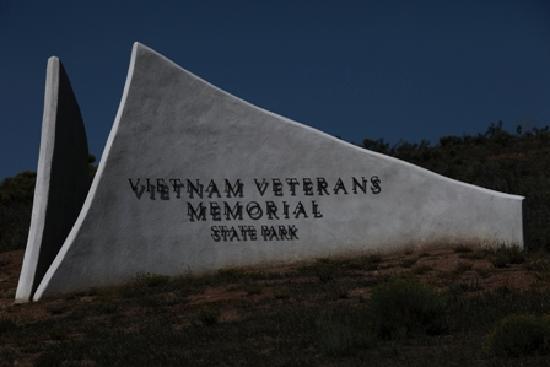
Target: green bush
402, 308
520, 335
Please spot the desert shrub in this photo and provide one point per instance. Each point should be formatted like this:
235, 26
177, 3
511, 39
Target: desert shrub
541, 266
422, 269
476, 254
403, 307
253, 289
540, 263
324, 269
462, 267
508, 255
335, 291
373, 259
8, 354
369, 262
325, 273
520, 335
281, 293
6, 325
343, 332
407, 263
16, 194
460, 249
208, 316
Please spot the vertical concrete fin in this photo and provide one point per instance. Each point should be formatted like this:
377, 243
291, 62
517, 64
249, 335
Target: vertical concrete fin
62, 180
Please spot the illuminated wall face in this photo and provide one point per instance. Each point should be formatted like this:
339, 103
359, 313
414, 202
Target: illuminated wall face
194, 179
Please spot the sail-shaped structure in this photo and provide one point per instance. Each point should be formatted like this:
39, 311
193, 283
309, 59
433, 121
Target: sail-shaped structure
195, 179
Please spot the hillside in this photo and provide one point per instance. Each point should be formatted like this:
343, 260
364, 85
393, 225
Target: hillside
514, 163
16, 194
432, 307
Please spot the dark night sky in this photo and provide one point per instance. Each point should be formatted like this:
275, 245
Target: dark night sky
378, 69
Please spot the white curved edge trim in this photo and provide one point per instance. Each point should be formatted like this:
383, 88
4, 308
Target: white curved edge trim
42, 187
333, 138
93, 187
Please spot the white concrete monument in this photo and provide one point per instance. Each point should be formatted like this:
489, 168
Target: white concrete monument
195, 179
62, 179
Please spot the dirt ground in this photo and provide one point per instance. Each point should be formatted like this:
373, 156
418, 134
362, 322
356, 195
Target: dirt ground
233, 297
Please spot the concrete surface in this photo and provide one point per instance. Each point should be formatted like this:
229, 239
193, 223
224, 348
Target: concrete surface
290, 192
62, 180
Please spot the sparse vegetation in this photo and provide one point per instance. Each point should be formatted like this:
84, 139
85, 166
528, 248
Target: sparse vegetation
422, 269
16, 196
407, 263
461, 249
403, 307
508, 255
279, 317
462, 267
476, 254
344, 333
208, 316
6, 325
520, 335
514, 163
151, 280
324, 269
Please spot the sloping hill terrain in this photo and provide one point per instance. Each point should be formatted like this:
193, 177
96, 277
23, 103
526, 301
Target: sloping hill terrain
514, 163
433, 307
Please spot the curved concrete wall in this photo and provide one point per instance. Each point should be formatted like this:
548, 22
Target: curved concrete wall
62, 179
194, 179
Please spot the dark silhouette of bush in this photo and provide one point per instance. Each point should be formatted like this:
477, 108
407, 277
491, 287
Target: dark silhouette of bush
506, 255
403, 308
520, 335
16, 195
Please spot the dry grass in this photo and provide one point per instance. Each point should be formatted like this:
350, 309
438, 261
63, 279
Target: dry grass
310, 314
